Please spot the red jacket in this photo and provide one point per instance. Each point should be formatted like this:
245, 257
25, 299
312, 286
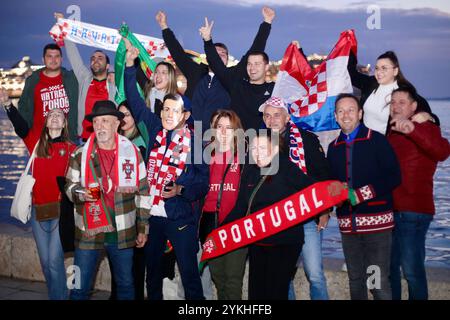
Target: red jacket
418, 154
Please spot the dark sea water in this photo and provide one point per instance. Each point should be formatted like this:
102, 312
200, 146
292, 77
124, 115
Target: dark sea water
14, 156
438, 237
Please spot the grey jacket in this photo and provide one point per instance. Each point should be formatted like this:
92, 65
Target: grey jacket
84, 77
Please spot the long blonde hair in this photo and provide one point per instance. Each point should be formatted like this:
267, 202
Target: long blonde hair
172, 86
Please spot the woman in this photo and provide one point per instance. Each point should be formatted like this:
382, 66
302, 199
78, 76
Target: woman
52, 151
272, 261
130, 129
163, 82
376, 91
227, 271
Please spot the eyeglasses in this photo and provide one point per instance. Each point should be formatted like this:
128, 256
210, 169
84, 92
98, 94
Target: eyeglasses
384, 68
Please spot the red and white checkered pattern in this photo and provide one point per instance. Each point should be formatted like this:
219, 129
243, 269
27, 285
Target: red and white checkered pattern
317, 94
274, 102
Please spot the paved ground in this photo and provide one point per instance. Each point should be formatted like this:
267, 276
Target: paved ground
17, 289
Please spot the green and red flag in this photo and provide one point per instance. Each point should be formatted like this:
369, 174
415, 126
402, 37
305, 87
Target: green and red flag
147, 63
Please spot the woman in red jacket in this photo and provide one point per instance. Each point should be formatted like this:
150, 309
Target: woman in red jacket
227, 271
52, 156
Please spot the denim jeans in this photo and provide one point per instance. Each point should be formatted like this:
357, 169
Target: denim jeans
368, 262
312, 263
408, 252
122, 261
51, 256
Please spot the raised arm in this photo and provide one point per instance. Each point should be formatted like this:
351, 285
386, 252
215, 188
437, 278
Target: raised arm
137, 104
80, 70
191, 70
215, 62
259, 43
20, 125
358, 79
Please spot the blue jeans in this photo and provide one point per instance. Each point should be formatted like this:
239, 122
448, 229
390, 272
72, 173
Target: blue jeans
312, 263
122, 265
408, 252
51, 256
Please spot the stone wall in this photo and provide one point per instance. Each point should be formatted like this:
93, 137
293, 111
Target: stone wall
19, 259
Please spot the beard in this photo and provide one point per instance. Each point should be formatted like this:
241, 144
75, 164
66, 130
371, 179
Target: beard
98, 71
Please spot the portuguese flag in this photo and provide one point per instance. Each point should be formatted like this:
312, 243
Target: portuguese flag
147, 64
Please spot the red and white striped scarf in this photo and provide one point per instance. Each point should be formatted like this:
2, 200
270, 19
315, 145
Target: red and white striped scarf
167, 165
296, 150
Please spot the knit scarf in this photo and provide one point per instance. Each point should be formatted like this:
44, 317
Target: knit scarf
167, 161
96, 216
296, 150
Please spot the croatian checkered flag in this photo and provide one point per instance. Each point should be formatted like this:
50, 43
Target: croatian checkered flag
311, 93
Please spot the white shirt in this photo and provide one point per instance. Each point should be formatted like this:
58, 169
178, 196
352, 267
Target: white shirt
376, 107
153, 95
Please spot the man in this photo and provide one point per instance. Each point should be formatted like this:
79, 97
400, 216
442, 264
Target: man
175, 181
93, 82
52, 87
307, 153
419, 147
203, 87
248, 89
364, 160
116, 220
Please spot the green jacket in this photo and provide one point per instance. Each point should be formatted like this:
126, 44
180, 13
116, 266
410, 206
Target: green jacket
26, 102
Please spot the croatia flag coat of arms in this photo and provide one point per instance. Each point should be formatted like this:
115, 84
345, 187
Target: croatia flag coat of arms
311, 93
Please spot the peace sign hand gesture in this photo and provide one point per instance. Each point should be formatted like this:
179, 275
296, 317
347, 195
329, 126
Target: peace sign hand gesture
205, 31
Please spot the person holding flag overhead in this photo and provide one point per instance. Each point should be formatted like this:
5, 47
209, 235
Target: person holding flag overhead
175, 182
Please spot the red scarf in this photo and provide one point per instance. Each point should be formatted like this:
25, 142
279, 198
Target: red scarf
288, 212
166, 164
96, 216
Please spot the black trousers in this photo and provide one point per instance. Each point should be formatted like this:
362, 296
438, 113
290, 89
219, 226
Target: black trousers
271, 268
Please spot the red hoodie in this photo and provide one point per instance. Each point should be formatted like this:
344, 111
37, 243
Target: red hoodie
418, 154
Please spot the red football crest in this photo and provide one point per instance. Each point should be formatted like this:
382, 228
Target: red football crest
128, 168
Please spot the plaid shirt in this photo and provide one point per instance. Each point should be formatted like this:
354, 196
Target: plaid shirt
127, 206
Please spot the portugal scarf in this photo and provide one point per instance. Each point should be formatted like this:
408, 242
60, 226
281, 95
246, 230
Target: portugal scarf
273, 219
167, 161
296, 150
96, 216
